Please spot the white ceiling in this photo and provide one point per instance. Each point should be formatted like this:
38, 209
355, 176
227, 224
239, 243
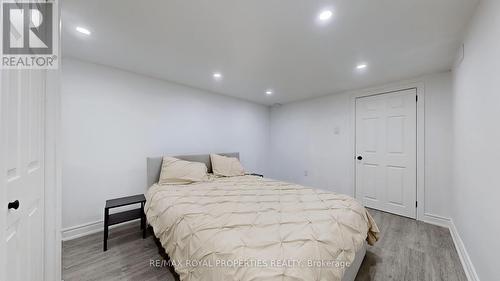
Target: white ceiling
269, 44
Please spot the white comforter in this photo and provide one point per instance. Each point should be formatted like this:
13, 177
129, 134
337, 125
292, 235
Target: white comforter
251, 228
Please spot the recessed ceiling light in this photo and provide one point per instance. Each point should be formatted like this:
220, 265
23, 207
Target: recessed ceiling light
83, 30
325, 15
217, 76
269, 92
361, 66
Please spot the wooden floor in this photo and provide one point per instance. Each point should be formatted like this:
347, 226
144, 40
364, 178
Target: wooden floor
407, 250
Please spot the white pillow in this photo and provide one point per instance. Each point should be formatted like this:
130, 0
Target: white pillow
176, 171
226, 166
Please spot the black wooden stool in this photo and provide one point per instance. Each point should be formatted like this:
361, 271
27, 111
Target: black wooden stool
124, 216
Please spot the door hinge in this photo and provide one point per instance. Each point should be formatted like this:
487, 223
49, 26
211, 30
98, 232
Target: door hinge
416, 98
416, 204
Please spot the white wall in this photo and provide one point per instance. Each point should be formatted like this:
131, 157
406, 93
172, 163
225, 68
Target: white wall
304, 139
112, 120
476, 194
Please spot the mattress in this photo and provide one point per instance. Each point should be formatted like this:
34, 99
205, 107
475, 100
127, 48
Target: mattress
252, 228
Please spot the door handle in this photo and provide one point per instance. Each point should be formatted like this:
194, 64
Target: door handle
360, 157
13, 205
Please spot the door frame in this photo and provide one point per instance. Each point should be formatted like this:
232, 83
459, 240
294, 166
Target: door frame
53, 178
419, 86
52, 268
53, 165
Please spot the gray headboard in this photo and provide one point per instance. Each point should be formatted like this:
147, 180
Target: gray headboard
154, 164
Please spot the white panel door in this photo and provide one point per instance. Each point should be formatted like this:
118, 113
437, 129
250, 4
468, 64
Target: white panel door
386, 152
22, 169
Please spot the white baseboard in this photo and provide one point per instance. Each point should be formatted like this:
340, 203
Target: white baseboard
436, 220
81, 230
469, 269
85, 229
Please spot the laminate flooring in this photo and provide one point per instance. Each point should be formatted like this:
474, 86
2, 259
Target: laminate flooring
408, 250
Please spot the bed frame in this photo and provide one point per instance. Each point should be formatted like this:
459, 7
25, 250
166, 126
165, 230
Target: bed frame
153, 175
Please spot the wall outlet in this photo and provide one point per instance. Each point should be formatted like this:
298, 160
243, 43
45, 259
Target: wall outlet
306, 173
336, 130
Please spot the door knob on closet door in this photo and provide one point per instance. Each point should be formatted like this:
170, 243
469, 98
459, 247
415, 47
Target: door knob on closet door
13, 205
360, 157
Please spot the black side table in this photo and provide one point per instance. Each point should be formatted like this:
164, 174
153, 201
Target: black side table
125, 216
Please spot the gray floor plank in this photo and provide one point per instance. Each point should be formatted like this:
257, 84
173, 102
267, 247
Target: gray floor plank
408, 250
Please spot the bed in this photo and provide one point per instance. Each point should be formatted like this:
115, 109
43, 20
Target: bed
254, 228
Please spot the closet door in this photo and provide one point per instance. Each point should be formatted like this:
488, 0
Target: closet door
22, 174
386, 148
